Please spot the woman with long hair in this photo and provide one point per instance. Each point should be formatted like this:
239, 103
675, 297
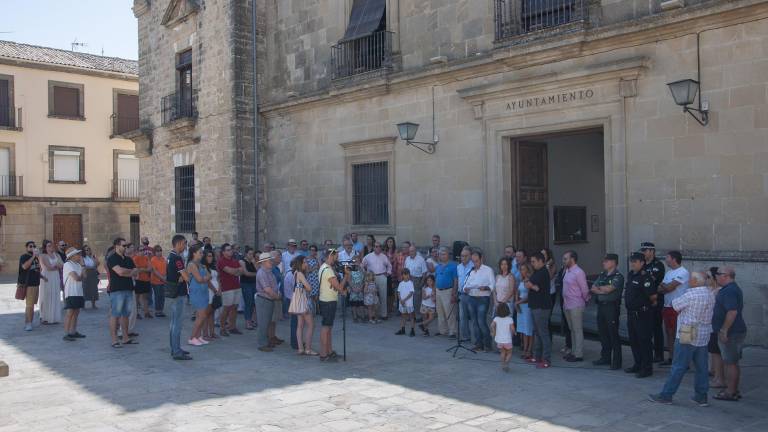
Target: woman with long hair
313, 262
370, 240
50, 287
198, 293
524, 316
506, 285
306, 318
248, 286
91, 282
209, 262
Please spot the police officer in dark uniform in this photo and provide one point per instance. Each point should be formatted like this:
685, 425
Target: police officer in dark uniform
654, 267
640, 298
607, 290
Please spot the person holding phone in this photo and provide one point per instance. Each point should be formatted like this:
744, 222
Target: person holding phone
30, 276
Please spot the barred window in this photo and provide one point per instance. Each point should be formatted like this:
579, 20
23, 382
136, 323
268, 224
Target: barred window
185, 198
370, 193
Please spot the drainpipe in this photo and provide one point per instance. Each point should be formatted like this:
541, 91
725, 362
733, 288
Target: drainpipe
254, 83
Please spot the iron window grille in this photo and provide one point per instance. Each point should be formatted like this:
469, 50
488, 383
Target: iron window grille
370, 193
519, 17
185, 198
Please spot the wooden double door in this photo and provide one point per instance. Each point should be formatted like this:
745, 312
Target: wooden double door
530, 190
68, 227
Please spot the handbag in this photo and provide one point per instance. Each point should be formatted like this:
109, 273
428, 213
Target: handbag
216, 302
688, 333
299, 302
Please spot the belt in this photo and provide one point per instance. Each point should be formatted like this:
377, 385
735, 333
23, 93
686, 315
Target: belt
443, 289
265, 298
642, 309
380, 274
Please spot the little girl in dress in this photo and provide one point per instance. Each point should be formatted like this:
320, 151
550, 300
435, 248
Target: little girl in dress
371, 297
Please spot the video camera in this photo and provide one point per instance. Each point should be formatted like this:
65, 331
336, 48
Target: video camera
341, 266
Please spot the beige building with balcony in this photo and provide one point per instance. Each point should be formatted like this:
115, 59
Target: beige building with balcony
556, 125
67, 166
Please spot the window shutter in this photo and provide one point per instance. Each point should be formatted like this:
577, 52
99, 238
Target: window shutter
66, 101
127, 167
370, 193
127, 113
66, 166
367, 16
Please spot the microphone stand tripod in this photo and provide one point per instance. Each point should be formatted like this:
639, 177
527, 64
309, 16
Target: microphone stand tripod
459, 345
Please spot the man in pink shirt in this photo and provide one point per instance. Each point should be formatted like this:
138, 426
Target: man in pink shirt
378, 263
575, 298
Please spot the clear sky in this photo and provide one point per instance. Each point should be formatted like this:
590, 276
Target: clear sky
102, 24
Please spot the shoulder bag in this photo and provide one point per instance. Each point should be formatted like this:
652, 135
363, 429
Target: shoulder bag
299, 302
688, 333
21, 288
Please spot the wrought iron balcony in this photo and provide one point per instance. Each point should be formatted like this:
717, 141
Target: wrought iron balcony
520, 17
10, 117
179, 105
123, 123
125, 189
11, 186
362, 55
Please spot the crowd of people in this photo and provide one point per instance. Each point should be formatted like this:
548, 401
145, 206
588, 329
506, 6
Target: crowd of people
695, 317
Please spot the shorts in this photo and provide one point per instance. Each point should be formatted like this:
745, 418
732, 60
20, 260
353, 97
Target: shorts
74, 302
405, 309
231, 297
504, 345
120, 303
427, 309
713, 347
277, 312
731, 350
33, 292
669, 316
327, 313
142, 287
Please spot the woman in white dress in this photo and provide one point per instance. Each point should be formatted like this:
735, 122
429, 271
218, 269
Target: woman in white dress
50, 287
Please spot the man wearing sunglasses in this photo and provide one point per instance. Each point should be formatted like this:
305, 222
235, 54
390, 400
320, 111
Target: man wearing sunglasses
29, 275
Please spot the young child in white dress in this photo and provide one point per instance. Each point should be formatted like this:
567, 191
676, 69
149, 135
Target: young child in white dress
502, 329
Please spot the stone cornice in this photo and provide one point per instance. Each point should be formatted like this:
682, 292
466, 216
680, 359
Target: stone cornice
670, 25
372, 145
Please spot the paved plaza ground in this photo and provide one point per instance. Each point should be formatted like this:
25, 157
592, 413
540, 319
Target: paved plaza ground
389, 383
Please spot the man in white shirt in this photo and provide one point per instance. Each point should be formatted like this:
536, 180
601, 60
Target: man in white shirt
289, 255
378, 263
673, 286
479, 284
418, 267
462, 272
348, 253
73, 293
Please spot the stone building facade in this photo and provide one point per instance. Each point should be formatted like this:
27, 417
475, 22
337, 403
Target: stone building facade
556, 126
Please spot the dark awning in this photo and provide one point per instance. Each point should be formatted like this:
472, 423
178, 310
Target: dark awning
365, 18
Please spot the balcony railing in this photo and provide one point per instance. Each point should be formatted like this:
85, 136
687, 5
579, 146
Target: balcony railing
123, 123
519, 17
10, 117
366, 54
11, 186
125, 189
179, 105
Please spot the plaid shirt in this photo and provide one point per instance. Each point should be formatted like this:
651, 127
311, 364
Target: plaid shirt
695, 307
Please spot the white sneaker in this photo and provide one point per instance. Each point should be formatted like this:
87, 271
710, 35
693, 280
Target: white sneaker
28, 327
203, 341
194, 342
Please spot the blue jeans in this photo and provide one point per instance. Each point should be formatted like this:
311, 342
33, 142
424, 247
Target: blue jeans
177, 312
478, 311
159, 295
248, 290
684, 355
464, 317
294, 327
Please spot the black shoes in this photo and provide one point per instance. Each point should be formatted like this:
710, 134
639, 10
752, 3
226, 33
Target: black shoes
401, 331
616, 366
601, 362
644, 374
633, 369
182, 356
413, 333
572, 358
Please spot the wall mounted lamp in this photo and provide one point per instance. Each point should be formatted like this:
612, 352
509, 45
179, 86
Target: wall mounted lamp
407, 132
684, 92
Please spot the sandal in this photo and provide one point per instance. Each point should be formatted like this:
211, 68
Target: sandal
310, 353
130, 342
117, 345
725, 396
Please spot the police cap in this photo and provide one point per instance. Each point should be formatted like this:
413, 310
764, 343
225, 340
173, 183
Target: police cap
611, 257
647, 245
637, 256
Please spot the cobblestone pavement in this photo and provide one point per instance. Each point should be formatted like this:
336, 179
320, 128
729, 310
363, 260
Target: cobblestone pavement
389, 383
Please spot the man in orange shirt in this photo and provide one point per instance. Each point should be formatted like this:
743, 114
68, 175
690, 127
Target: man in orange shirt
157, 279
142, 286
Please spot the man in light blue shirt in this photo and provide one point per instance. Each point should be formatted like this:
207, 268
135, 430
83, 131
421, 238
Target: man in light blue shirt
462, 271
356, 244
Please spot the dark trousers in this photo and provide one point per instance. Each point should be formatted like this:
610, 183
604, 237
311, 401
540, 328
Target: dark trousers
640, 328
658, 331
564, 327
294, 328
608, 326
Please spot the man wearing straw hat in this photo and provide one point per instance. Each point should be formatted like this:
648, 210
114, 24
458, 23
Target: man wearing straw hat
266, 294
73, 293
